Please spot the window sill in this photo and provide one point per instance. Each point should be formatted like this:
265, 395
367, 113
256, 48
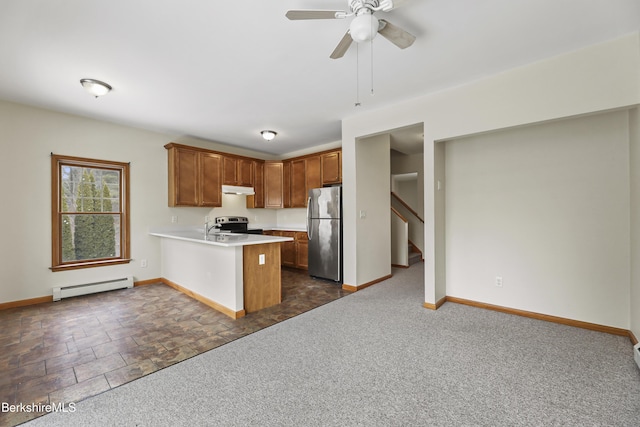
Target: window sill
89, 264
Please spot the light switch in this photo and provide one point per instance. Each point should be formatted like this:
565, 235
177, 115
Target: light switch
261, 259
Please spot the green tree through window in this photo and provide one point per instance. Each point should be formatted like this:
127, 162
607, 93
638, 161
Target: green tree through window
89, 212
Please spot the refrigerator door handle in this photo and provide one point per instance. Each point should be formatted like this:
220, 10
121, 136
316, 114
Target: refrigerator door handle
308, 218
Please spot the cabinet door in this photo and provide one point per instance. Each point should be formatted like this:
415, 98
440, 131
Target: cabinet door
286, 184
298, 184
302, 250
288, 250
312, 175
245, 172
183, 164
258, 183
257, 200
210, 186
229, 170
331, 168
302, 254
273, 185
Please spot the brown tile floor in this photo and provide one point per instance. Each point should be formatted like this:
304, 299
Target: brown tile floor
66, 351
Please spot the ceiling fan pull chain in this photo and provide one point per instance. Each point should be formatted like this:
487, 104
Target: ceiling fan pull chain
357, 104
371, 67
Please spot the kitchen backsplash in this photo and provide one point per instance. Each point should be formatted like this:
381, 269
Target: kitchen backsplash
235, 205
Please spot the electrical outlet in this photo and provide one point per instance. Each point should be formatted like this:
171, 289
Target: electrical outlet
499, 281
261, 259
206, 218
174, 219
143, 263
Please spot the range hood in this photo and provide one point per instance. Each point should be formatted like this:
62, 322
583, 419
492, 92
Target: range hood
236, 189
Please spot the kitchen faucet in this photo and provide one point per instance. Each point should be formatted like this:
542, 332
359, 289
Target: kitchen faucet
207, 228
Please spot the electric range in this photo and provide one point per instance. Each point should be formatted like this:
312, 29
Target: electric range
236, 224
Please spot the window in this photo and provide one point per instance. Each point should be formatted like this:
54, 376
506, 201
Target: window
89, 212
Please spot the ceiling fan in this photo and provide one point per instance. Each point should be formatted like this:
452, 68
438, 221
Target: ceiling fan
363, 27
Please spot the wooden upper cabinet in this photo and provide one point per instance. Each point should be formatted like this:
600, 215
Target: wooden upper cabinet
286, 184
194, 178
273, 185
245, 173
305, 175
229, 170
237, 171
183, 177
312, 176
298, 183
257, 200
331, 168
210, 166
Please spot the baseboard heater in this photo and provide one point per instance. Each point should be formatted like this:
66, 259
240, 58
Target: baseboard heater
636, 354
91, 288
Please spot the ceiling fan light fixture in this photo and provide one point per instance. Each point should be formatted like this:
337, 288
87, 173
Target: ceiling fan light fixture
364, 27
268, 135
95, 87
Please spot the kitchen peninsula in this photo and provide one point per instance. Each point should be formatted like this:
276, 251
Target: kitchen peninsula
232, 273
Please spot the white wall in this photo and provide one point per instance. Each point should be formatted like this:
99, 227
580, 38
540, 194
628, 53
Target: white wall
373, 207
634, 162
546, 207
236, 205
411, 191
259, 218
28, 135
598, 78
407, 163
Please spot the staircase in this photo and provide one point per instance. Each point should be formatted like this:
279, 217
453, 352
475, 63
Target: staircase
414, 254
404, 252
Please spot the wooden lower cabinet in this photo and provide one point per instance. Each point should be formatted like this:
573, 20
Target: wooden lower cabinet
294, 253
262, 282
302, 250
288, 251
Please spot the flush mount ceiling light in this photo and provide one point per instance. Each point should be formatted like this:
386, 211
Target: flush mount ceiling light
268, 134
95, 87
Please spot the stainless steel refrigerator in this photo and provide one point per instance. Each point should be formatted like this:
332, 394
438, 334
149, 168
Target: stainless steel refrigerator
324, 228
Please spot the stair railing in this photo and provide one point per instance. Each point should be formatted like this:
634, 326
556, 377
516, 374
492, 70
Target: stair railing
415, 223
399, 239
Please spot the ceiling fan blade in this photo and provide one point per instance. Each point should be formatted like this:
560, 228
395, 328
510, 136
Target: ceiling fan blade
396, 35
342, 47
295, 15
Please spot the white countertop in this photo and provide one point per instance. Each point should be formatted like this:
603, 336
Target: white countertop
284, 228
216, 239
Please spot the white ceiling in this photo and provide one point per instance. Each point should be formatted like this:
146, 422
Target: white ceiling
224, 70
